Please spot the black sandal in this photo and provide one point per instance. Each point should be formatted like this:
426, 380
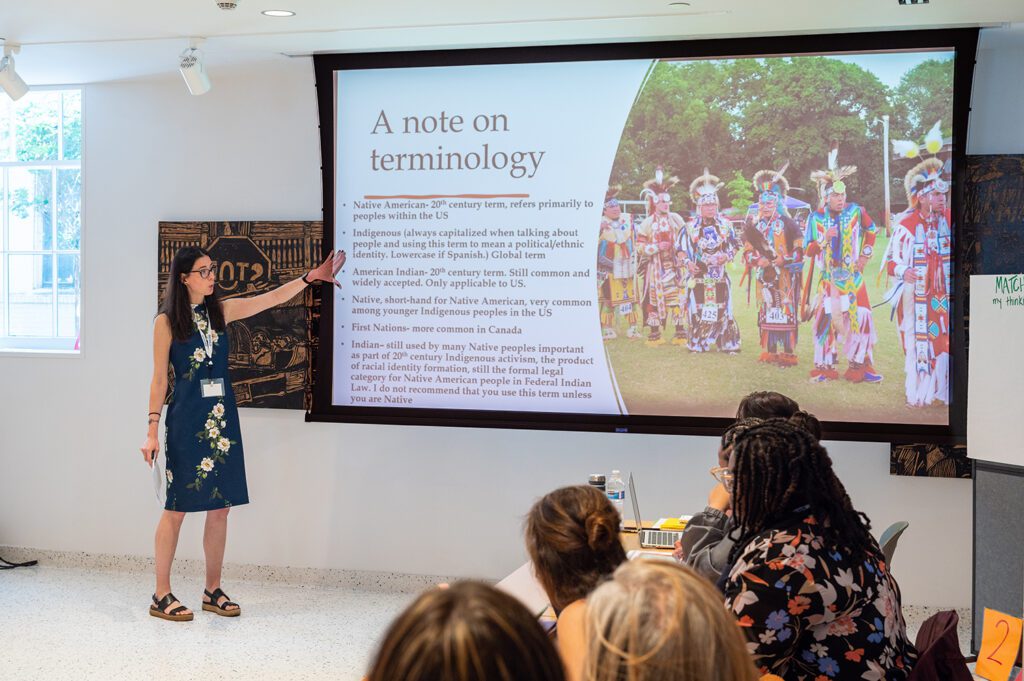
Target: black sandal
212, 606
159, 609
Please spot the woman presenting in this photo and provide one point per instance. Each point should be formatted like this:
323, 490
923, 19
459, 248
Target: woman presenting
205, 468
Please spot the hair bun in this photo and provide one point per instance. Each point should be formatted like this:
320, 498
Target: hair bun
600, 529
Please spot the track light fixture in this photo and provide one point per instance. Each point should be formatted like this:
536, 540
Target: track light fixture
10, 81
193, 68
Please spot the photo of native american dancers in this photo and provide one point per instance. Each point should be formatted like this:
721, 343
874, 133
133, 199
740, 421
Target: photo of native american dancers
811, 253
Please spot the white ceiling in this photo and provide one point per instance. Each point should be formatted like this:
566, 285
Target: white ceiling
80, 41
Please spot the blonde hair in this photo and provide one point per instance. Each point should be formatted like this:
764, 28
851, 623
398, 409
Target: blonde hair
656, 621
468, 632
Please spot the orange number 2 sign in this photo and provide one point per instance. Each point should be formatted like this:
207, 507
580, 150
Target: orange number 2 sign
1000, 642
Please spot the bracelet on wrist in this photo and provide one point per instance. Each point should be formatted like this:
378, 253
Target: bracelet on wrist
306, 281
154, 413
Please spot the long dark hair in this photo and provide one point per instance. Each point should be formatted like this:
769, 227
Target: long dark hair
469, 632
778, 466
572, 536
176, 302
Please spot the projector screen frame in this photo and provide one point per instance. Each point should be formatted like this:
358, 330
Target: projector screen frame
962, 40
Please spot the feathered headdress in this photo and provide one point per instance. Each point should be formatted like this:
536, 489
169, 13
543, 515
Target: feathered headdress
610, 194
656, 187
924, 178
933, 143
772, 182
831, 180
704, 189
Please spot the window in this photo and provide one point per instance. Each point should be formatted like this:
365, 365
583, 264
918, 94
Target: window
41, 228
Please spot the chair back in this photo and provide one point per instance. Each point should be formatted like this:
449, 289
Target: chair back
887, 542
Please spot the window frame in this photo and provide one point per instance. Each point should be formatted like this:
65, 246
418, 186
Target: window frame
52, 345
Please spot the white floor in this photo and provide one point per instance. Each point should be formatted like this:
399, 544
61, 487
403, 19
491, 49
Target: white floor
86, 623
70, 623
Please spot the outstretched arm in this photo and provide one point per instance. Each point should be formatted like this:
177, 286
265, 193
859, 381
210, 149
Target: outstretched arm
240, 308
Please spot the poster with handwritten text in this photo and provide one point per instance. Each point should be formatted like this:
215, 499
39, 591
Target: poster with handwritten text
995, 412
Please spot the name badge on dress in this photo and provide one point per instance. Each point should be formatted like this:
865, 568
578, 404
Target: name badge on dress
212, 387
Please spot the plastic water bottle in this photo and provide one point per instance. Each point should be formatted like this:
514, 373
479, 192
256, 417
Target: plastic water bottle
616, 490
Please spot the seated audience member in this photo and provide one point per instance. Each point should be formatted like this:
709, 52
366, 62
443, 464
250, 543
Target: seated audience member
766, 404
468, 632
807, 580
572, 536
705, 544
658, 621
808, 422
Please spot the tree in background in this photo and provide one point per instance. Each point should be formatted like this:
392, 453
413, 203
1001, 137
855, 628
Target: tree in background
740, 194
924, 95
737, 116
802, 106
679, 123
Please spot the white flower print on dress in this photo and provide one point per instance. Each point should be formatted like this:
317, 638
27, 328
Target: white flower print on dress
744, 599
199, 355
170, 476
212, 436
797, 558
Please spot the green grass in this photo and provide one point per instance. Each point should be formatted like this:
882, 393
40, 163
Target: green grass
670, 380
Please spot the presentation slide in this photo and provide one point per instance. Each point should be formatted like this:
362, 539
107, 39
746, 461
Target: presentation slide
647, 236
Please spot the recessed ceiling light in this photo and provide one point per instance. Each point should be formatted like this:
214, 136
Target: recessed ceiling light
278, 13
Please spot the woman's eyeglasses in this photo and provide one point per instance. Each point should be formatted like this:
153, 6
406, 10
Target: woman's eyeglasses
723, 475
206, 272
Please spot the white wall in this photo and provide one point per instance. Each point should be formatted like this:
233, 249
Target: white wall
71, 476
997, 98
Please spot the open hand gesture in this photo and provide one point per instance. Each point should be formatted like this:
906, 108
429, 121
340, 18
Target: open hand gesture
328, 269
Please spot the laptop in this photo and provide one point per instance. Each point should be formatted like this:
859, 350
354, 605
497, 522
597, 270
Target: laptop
651, 538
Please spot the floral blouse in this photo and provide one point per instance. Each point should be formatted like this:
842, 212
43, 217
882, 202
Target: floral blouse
810, 612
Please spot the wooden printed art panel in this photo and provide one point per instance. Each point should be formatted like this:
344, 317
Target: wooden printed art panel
270, 353
932, 461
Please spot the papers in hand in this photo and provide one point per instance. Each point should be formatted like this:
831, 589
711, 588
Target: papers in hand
159, 482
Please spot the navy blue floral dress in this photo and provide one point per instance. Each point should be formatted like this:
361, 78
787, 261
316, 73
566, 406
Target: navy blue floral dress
205, 468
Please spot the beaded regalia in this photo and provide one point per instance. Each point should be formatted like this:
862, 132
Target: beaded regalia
919, 257
840, 238
707, 245
616, 267
661, 285
773, 254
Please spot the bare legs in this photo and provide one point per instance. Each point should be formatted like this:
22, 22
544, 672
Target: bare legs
166, 542
214, 537
215, 534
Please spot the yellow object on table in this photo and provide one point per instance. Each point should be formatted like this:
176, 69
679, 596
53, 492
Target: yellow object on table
672, 524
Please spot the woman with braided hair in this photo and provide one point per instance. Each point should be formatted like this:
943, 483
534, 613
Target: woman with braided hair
808, 582
706, 543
